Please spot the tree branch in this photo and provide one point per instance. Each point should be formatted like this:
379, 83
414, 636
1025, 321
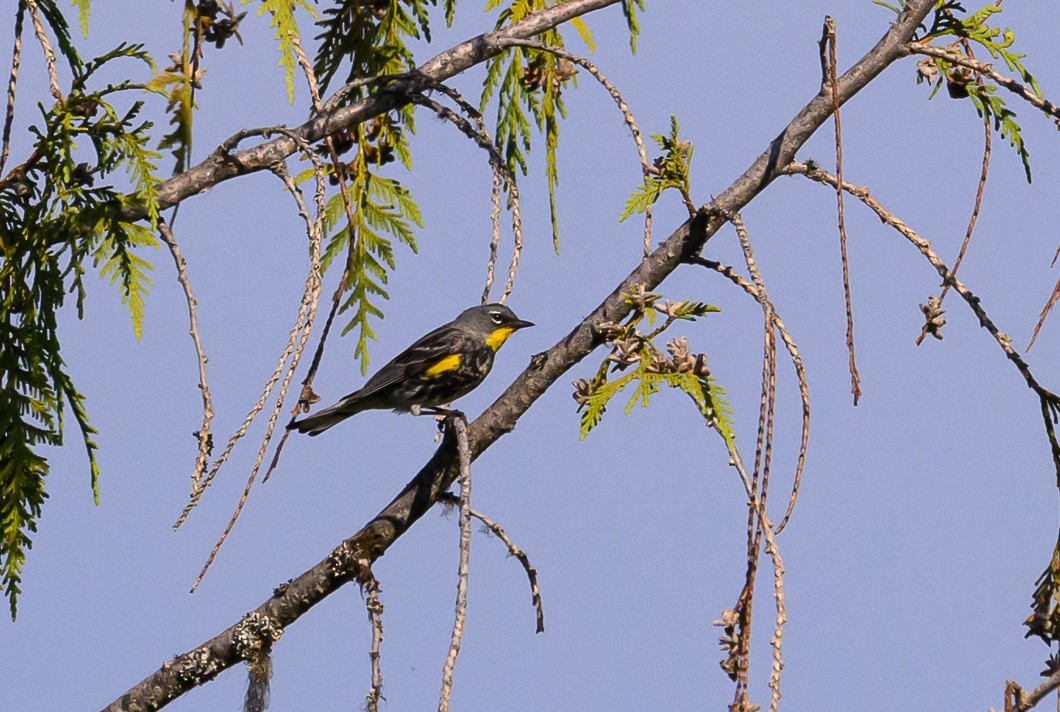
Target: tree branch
221, 165
987, 70
290, 601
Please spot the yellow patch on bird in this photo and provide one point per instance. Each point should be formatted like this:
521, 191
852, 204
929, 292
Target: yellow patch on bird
447, 364
498, 337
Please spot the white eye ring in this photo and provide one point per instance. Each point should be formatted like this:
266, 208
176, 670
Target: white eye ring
496, 318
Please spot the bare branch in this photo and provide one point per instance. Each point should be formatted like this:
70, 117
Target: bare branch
301, 330
49, 53
219, 167
778, 573
763, 458
303, 325
9, 114
481, 137
800, 373
829, 68
370, 586
972, 219
1050, 402
513, 550
1049, 304
203, 436
459, 426
1027, 700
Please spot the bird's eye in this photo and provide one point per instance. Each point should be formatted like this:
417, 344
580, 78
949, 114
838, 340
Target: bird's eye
496, 317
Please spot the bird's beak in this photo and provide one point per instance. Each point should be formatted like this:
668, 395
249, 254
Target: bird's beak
520, 324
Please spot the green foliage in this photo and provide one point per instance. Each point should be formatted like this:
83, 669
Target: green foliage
1044, 622
120, 264
83, 12
58, 213
529, 83
990, 107
383, 210
286, 32
974, 28
671, 170
372, 38
651, 369
177, 83
896, 9
629, 11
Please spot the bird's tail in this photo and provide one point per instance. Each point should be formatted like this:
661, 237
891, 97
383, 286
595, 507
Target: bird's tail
319, 422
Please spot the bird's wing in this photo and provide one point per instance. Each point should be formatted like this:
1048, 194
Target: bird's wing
414, 360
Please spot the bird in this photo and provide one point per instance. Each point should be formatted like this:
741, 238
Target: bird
438, 368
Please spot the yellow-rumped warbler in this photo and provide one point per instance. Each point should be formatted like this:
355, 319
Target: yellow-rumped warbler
444, 365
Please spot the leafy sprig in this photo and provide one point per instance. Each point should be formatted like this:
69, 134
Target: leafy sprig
961, 83
384, 211
57, 217
652, 369
991, 108
976, 28
528, 83
285, 25
670, 171
178, 83
368, 39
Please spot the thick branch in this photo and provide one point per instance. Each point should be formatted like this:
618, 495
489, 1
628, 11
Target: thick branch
292, 600
221, 166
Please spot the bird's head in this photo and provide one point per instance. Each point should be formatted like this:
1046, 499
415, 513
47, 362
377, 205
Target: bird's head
495, 322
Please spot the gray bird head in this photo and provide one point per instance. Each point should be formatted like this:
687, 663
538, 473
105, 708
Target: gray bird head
495, 322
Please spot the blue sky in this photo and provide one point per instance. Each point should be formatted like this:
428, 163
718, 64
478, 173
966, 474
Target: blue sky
925, 515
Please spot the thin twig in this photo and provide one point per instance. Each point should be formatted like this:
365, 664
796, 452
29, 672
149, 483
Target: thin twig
1049, 304
800, 373
49, 53
830, 79
370, 587
315, 230
303, 323
495, 238
203, 435
987, 70
763, 457
513, 550
16, 56
346, 89
306, 395
459, 426
634, 129
1050, 402
303, 327
975, 207
776, 641
481, 137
